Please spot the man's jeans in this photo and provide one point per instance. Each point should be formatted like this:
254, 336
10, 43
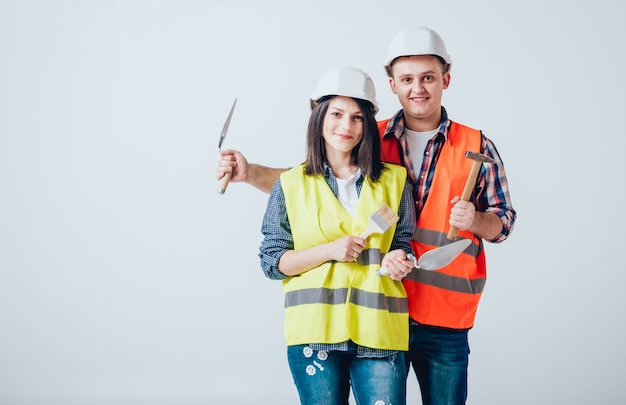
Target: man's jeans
324, 378
440, 359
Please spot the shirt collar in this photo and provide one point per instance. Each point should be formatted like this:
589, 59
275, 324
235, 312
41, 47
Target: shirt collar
328, 173
395, 127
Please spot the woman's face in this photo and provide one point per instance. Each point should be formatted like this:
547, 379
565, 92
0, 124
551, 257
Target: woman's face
343, 125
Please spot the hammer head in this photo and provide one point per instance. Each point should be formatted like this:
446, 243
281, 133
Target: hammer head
479, 157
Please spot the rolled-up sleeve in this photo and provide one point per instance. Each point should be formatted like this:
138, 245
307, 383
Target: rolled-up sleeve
277, 238
492, 193
406, 224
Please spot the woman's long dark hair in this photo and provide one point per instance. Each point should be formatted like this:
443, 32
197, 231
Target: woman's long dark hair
365, 155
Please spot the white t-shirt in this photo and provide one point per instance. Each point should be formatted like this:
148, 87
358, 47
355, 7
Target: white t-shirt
346, 192
417, 142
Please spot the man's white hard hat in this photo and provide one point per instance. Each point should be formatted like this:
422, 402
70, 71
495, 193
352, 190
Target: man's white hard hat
416, 41
345, 81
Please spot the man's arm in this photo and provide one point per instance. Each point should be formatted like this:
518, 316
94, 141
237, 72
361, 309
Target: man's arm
258, 176
464, 216
491, 216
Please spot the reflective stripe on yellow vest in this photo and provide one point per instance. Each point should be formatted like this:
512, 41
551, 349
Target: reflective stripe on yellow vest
447, 297
340, 301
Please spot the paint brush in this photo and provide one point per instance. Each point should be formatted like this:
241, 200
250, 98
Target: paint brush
380, 221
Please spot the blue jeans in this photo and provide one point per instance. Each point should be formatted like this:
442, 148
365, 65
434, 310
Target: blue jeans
324, 378
440, 358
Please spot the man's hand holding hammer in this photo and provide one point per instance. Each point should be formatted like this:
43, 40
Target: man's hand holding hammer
463, 215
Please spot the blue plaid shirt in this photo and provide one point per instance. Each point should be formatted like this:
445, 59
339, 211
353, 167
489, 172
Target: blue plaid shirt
278, 240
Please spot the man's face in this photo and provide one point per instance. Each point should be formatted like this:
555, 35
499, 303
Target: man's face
419, 81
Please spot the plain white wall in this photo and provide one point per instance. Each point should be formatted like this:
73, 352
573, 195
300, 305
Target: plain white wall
126, 279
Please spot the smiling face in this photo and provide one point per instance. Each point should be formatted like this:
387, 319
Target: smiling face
419, 81
343, 126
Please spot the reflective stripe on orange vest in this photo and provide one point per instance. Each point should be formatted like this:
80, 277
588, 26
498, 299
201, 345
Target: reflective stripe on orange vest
447, 297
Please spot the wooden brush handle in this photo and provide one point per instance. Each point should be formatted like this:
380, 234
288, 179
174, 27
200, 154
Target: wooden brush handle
223, 183
467, 192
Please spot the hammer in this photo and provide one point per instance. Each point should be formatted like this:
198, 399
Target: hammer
478, 158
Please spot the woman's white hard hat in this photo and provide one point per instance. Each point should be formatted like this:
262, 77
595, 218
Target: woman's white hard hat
345, 81
416, 41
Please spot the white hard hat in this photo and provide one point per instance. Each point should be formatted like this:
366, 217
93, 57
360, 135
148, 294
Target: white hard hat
416, 41
345, 81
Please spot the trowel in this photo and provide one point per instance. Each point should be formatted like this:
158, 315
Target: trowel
437, 258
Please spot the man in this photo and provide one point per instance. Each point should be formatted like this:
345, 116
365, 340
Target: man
421, 137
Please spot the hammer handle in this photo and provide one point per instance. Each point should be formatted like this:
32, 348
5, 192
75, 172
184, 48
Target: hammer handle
467, 192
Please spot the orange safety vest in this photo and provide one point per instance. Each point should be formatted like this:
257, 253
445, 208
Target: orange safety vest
447, 297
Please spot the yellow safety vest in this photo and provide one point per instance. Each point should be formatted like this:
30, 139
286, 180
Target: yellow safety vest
340, 301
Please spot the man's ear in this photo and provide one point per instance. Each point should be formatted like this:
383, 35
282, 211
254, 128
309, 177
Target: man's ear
392, 84
446, 80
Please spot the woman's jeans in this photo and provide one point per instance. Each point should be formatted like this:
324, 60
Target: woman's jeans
324, 377
440, 359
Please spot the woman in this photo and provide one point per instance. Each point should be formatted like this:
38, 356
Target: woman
344, 325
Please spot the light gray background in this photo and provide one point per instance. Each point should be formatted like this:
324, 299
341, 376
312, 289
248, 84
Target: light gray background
126, 279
